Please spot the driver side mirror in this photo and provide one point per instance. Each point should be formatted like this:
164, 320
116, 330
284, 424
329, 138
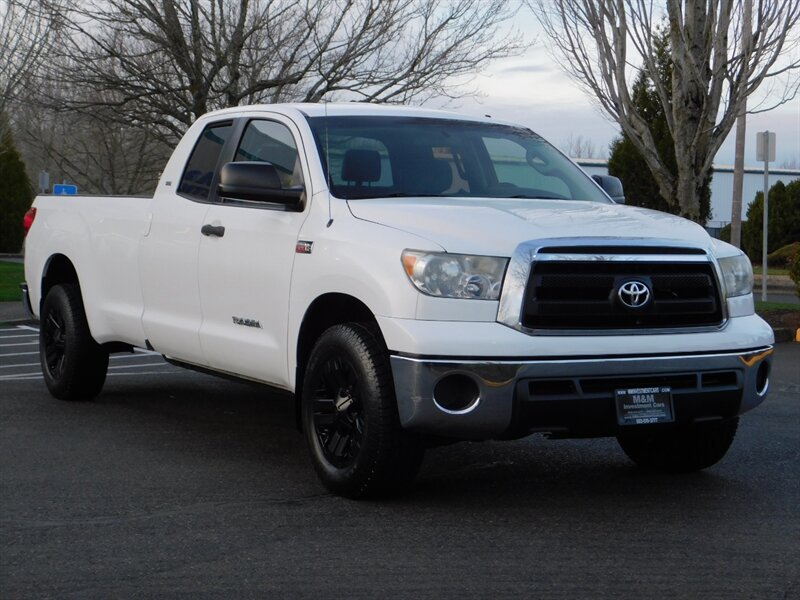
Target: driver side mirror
611, 186
257, 182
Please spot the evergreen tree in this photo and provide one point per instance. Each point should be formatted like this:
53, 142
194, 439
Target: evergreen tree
784, 220
627, 163
16, 193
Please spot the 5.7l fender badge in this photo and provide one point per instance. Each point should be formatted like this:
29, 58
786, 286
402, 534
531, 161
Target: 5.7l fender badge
247, 322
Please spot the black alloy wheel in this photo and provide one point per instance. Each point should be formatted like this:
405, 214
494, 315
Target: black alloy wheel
349, 414
54, 343
74, 365
338, 417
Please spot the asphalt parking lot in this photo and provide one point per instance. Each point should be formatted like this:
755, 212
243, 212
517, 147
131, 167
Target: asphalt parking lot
176, 484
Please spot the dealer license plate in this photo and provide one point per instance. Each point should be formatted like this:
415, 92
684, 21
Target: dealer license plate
644, 405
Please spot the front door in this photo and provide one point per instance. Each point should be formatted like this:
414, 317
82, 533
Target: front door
246, 263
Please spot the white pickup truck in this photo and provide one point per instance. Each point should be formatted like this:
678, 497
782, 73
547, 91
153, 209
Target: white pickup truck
412, 276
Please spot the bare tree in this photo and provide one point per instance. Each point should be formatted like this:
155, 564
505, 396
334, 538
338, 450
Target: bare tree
580, 147
169, 62
27, 30
90, 149
603, 44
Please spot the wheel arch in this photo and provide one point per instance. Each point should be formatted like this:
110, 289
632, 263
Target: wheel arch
326, 311
58, 269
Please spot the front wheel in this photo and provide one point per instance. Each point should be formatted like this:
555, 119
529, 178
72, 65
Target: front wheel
350, 418
680, 450
73, 364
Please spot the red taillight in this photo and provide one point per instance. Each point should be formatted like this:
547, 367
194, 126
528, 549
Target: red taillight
27, 220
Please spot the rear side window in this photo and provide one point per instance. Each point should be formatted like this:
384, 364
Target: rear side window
199, 172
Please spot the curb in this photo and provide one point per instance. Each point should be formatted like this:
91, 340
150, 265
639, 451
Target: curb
778, 283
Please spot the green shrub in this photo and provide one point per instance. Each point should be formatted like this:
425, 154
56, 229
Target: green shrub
783, 256
794, 271
784, 220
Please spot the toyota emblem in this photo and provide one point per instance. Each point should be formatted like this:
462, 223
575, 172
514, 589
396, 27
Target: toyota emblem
634, 294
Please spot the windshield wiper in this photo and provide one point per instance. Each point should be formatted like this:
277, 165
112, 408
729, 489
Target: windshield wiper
536, 197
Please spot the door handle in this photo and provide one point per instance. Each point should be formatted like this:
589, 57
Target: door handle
215, 230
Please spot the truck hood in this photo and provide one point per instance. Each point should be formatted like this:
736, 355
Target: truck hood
496, 226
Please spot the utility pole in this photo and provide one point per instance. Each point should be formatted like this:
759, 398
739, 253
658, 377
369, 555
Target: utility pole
765, 150
741, 126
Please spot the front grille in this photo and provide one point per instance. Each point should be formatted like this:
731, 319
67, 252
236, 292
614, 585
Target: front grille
584, 295
584, 405
603, 387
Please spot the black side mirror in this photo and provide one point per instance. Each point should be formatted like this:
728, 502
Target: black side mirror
257, 182
611, 186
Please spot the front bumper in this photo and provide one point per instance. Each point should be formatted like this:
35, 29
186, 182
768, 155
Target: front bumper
570, 397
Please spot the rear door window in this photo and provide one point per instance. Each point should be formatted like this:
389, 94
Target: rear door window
202, 166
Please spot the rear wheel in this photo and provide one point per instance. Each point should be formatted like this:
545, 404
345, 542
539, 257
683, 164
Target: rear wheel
73, 364
681, 450
350, 416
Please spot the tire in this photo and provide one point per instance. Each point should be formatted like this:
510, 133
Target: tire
681, 450
73, 364
350, 418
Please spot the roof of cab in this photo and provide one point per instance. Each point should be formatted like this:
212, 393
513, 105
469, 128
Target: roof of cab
352, 109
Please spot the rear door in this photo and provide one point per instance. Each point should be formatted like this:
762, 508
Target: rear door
246, 263
169, 253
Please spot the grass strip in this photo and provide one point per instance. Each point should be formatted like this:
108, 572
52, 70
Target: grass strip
771, 271
11, 275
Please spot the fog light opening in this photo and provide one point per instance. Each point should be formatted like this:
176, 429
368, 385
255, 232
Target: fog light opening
762, 378
456, 394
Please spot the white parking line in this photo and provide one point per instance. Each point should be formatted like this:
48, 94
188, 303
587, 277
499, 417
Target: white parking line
16, 375
30, 376
148, 352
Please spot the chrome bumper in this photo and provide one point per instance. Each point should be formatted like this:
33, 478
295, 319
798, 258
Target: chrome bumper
502, 389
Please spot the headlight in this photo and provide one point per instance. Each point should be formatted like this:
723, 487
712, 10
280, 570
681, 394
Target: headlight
737, 273
455, 275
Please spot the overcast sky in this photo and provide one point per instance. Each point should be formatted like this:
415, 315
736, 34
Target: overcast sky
532, 90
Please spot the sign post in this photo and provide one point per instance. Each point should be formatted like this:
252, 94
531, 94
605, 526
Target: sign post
765, 150
44, 182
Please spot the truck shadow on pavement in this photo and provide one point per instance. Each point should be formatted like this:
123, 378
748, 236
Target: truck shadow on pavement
251, 431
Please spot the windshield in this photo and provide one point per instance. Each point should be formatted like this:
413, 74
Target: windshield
391, 157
